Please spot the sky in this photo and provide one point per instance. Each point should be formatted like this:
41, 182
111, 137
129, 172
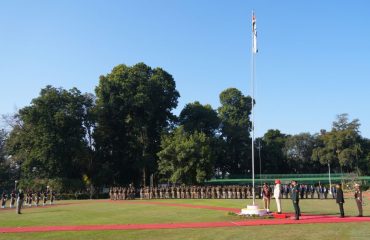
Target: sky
313, 61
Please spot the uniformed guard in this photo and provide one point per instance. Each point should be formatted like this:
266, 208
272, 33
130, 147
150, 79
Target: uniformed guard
4, 198
12, 199
45, 197
20, 200
237, 190
38, 197
326, 192
302, 191
312, 191
286, 190
30, 198
306, 191
358, 199
266, 194
295, 199
52, 197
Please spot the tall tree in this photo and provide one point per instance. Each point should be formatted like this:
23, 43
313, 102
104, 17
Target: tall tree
234, 113
4, 164
49, 139
185, 158
341, 147
198, 117
273, 156
298, 151
134, 106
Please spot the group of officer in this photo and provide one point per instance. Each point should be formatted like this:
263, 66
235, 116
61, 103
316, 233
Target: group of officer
297, 191
19, 199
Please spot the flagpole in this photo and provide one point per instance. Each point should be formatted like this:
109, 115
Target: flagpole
253, 77
253, 209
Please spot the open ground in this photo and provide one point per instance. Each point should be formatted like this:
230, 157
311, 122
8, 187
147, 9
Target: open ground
179, 219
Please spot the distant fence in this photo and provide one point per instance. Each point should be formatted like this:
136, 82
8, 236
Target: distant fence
286, 178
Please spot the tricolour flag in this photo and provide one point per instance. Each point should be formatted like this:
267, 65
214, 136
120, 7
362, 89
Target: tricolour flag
254, 32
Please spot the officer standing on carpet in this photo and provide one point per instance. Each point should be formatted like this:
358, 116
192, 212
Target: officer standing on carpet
277, 195
295, 199
340, 199
358, 199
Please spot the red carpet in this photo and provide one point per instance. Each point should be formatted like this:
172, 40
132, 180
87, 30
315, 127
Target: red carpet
257, 222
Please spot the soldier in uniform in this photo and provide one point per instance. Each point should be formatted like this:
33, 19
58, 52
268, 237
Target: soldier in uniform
173, 192
306, 190
302, 191
52, 197
163, 192
286, 190
266, 194
295, 199
333, 192
116, 193
243, 192
30, 198
45, 197
326, 192
312, 191
12, 199
26, 197
38, 197
20, 200
237, 192
4, 198
141, 193
247, 194
178, 194
358, 199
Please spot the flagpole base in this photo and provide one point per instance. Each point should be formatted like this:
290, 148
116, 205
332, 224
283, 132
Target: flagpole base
253, 210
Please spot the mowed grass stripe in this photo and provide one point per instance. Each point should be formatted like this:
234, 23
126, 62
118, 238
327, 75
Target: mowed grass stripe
337, 231
98, 212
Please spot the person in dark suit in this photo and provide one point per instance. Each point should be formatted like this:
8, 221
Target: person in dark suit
295, 199
340, 199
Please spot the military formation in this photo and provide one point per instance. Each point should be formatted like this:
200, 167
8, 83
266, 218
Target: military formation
213, 192
181, 192
20, 199
294, 191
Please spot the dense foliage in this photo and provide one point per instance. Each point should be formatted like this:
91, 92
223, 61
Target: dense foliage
126, 133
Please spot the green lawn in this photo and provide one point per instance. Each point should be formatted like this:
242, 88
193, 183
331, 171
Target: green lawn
93, 212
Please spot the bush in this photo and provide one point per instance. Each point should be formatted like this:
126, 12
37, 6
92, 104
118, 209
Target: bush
81, 196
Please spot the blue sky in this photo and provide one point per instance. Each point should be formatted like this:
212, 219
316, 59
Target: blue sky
313, 61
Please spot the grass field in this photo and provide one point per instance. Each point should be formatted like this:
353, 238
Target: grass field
100, 212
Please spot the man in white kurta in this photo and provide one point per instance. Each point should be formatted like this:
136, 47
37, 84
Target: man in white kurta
277, 194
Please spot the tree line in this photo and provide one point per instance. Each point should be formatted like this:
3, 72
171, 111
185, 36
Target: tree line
126, 133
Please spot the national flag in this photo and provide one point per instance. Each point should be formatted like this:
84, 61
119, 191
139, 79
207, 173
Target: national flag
254, 32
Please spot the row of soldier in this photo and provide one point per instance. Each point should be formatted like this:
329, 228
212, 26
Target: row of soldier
210, 192
28, 199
